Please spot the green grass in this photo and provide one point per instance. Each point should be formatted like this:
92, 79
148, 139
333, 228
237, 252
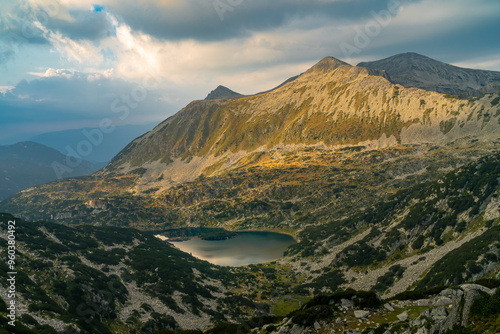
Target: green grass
283, 306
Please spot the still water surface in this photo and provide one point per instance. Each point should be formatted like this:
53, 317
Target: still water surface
245, 248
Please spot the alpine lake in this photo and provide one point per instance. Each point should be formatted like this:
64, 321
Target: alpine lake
227, 248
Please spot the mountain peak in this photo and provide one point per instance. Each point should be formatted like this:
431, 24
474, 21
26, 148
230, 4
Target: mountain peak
410, 55
403, 61
415, 70
223, 93
327, 64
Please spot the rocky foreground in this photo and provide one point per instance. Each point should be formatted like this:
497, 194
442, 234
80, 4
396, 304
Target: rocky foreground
443, 312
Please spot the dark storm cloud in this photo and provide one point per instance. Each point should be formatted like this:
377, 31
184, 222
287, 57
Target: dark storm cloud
224, 19
17, 28
463, 43
90, 25
192, 19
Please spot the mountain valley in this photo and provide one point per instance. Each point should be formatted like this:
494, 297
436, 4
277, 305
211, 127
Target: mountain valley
391, 191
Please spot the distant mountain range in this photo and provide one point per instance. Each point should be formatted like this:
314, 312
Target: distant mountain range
414, 70
104, 151
26, 164
43, 158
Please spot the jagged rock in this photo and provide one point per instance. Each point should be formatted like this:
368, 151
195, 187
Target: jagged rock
285, 328
442, 300
388, 307
452, 293
403, 316
422, 330
346, 303
297, 329
360, 314
419, 322
423, 302
439, 313
469, 296
453, 316
317, 325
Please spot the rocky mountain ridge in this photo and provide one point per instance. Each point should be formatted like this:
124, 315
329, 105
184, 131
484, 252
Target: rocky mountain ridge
414, 70
331, 93
327, 111
223, 93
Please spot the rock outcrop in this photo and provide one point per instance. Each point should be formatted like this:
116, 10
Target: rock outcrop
449, 308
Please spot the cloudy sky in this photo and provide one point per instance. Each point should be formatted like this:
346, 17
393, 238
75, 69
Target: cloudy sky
67, 64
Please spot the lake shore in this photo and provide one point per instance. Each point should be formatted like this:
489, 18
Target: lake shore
180, 239
247, 247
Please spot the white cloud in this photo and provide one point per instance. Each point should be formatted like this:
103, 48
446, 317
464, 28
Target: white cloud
137, 52
51, 72
5, 89
81, 52
491, 62
59, 9
430, 18
94, 75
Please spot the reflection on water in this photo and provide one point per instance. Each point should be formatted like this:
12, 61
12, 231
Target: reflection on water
245, 248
